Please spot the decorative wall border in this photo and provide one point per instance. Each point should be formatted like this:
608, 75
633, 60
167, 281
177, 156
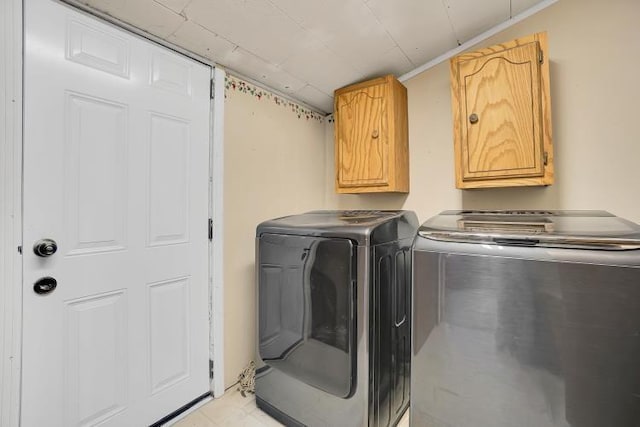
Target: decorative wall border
235, 84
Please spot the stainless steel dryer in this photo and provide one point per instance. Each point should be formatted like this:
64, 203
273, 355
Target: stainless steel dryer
333, 317
528, 319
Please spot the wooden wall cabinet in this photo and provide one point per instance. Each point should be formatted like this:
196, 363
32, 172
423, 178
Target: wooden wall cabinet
371, 137
502, 115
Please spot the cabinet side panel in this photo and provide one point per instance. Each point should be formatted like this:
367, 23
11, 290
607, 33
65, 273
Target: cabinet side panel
400, 140
545, 88
336, 143
455, 112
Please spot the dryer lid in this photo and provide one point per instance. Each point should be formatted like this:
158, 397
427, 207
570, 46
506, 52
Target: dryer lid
367, 227
562, 229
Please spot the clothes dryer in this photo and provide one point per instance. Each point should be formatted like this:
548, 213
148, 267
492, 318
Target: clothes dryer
333, 303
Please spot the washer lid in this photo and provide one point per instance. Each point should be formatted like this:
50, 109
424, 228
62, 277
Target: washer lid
562, 229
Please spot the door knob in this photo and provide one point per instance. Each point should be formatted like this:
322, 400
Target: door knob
45, 247
473, 118
45, 285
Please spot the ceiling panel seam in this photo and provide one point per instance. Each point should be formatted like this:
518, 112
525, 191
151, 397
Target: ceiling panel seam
284, 12
453, 28
170, 10
470, 43
181, 13
304, 28
388, 33
235, 46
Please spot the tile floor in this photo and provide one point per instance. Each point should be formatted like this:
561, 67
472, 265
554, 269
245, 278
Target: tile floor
234, 410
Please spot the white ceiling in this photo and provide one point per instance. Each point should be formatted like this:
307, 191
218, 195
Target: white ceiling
308, 48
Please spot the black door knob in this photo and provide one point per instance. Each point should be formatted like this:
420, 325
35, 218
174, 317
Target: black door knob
45, 285
45, 247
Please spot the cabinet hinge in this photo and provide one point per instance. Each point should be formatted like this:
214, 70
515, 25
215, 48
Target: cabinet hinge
540, 56
210, 229
545, 158
212, 89
210, 369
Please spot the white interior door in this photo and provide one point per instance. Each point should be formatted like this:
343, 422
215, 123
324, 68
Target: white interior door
116, 167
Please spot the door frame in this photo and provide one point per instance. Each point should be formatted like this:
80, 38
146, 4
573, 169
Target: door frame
10, 210
11, 160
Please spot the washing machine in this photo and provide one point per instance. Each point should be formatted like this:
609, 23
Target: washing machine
526, 318
333, 317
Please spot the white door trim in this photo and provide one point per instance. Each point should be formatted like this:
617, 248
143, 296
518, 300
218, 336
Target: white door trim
217, 267
10, 210
11, 119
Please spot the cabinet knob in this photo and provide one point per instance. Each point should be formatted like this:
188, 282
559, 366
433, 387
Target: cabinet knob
473, 118
374, 134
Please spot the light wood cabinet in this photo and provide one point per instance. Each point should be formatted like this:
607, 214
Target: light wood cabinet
371, 137
502, 115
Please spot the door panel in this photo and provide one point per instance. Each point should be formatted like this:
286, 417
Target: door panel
169, 308
94, 185
307, 309
97, 48
169, 74
116, 169
96, 353
168, 181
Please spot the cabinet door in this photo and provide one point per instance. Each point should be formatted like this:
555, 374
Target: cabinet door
362, 156
500, 117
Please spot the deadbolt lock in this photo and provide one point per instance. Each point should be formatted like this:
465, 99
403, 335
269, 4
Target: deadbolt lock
45, 285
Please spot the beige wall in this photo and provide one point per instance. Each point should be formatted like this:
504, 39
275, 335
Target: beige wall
595, 84
274, 166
